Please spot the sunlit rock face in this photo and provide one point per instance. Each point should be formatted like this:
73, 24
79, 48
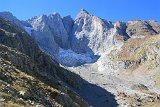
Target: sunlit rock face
94, 35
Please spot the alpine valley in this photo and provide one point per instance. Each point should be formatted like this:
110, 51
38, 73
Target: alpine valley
54, 61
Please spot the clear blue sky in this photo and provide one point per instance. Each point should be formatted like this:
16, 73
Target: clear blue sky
112, 10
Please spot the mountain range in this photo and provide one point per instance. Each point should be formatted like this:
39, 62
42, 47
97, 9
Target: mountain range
120, 57
74, 43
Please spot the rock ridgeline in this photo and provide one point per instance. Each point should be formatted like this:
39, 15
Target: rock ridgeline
85, 39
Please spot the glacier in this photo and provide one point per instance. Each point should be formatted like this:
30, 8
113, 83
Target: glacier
70, 58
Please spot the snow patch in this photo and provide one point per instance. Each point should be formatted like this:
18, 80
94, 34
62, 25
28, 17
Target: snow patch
70, 58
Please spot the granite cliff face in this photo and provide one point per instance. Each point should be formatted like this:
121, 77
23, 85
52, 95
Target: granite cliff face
29, 77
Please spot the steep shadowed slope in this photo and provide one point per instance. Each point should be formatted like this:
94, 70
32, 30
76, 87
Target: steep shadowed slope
28, 77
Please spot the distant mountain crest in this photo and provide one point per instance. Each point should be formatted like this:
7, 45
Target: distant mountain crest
88, 36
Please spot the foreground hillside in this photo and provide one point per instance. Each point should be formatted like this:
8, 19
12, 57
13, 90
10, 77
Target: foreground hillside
30, 78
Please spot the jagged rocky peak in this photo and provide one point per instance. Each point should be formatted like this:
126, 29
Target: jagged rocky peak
86, 16
49, 31
55, 14
55, 17
43, 22
92, 34
38, 20
83, 11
